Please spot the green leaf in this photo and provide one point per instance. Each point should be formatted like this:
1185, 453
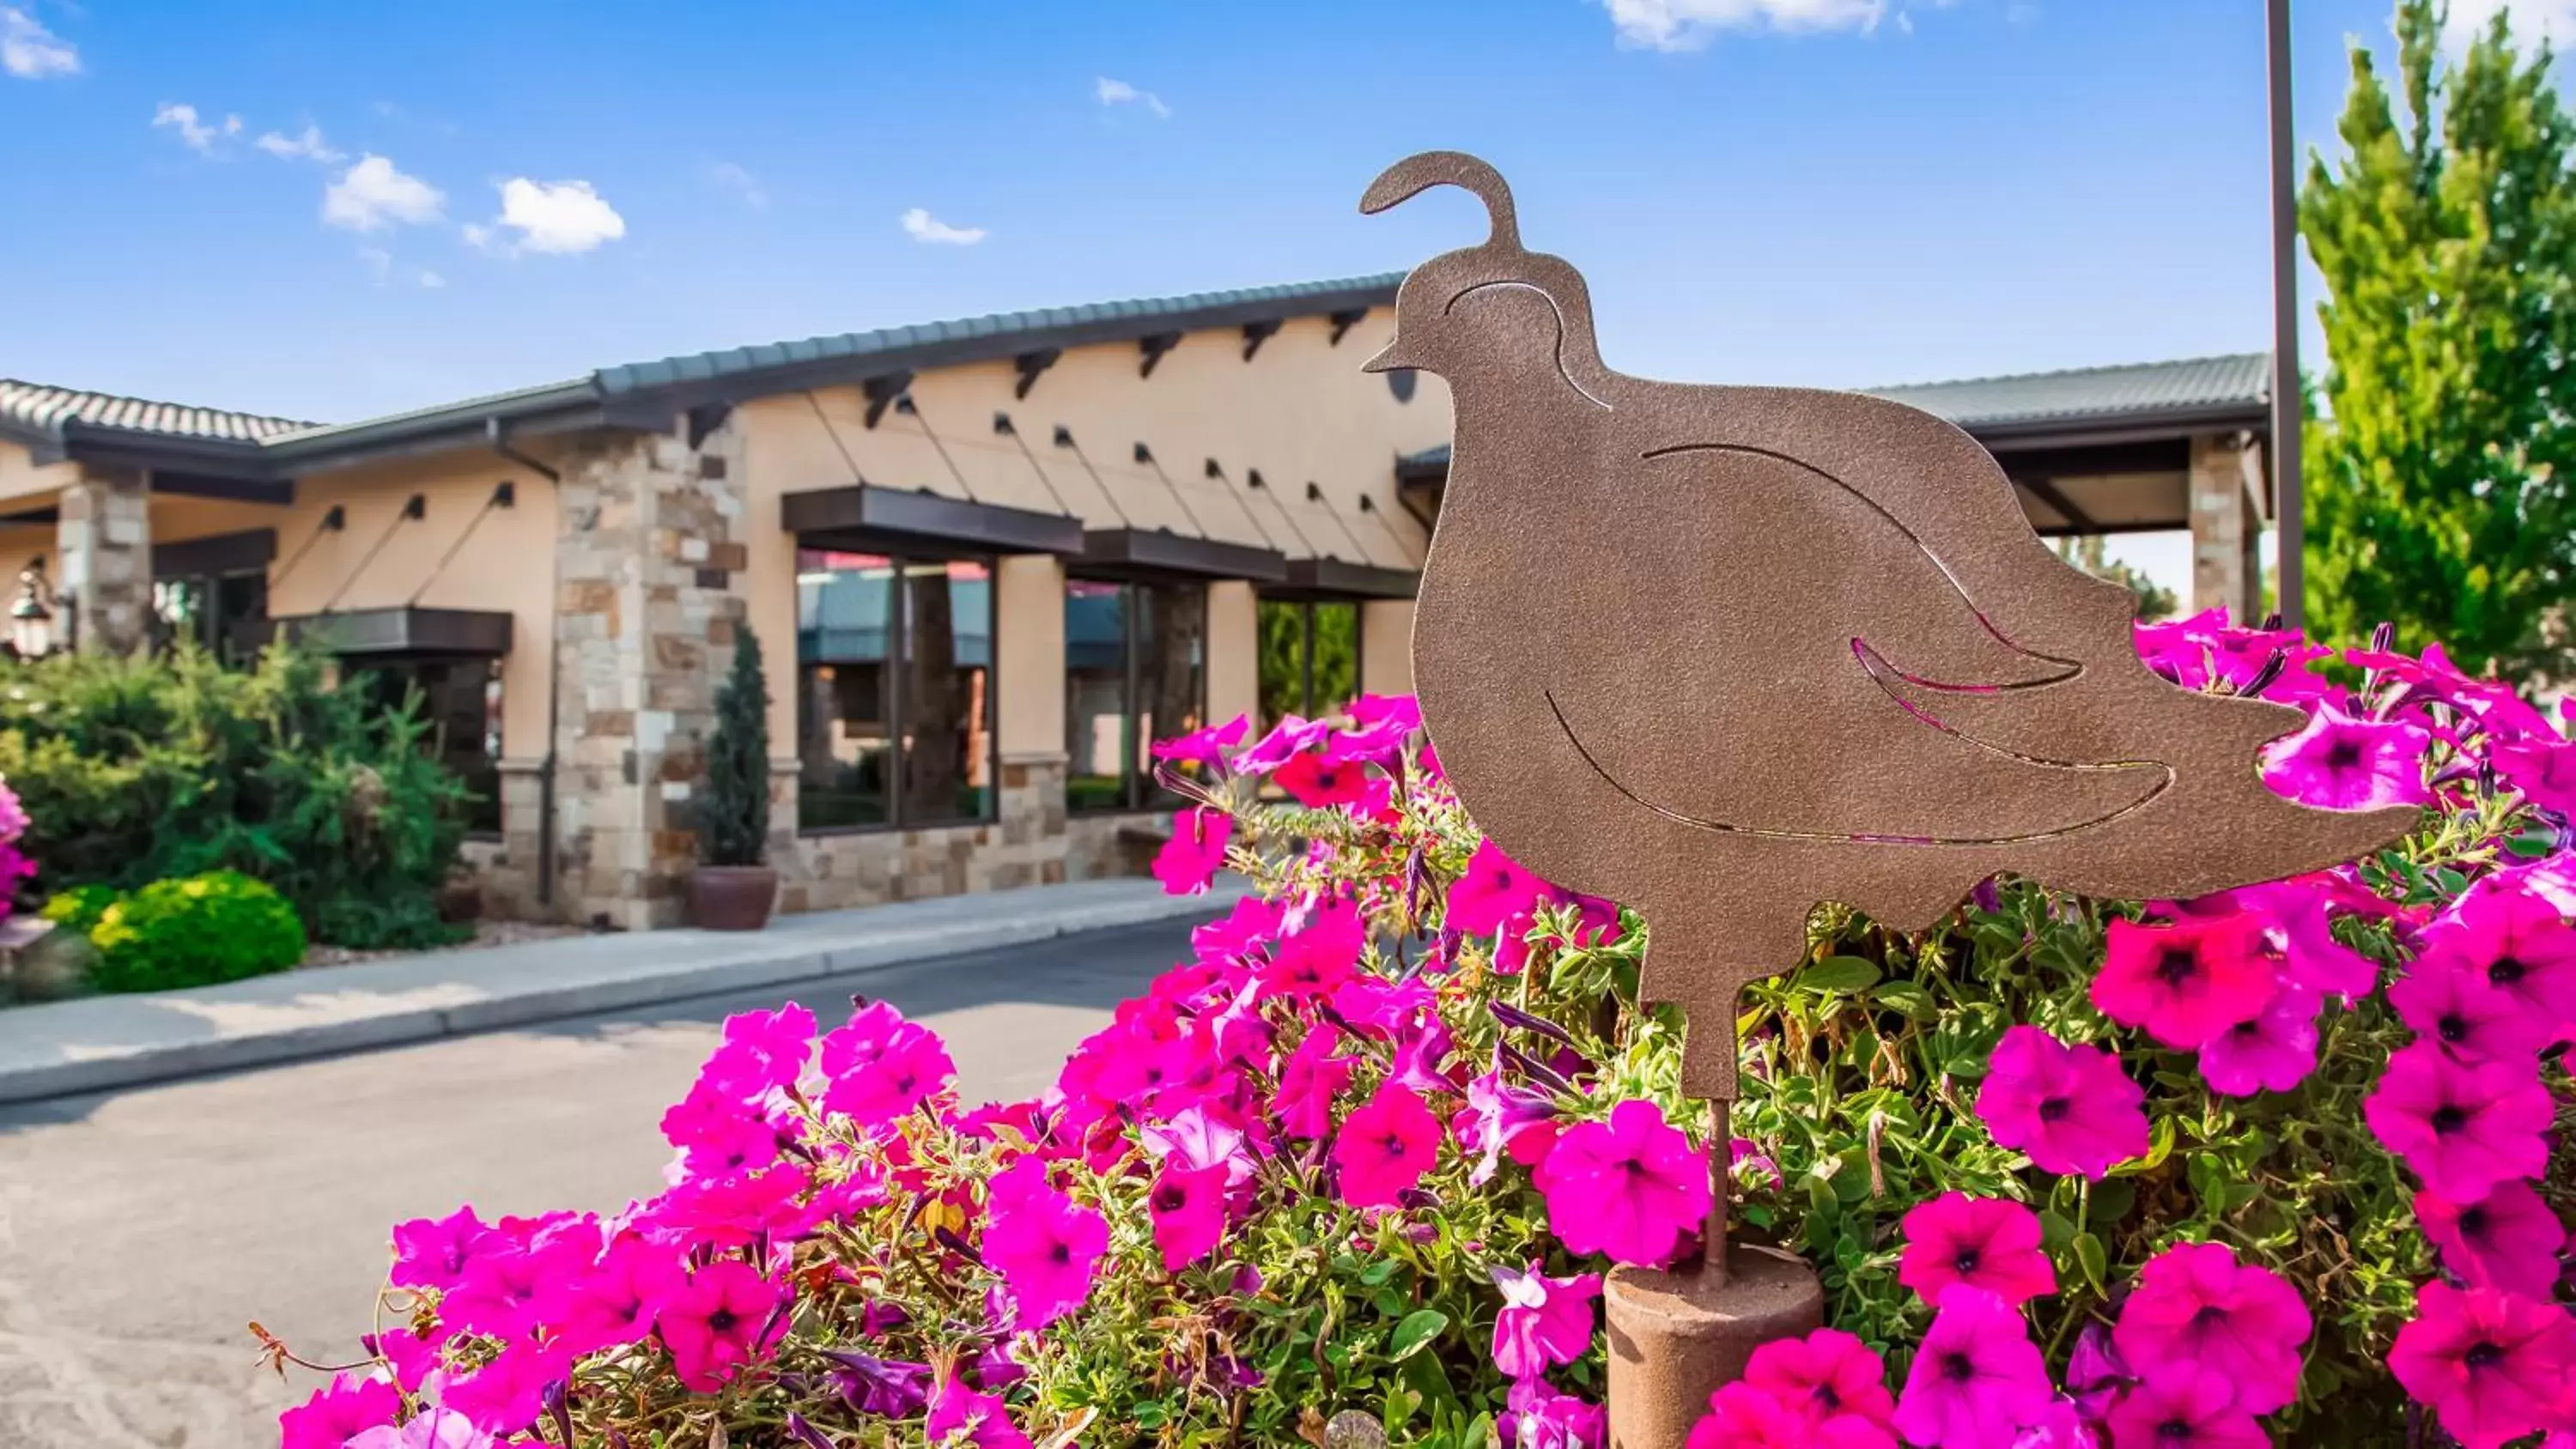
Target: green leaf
2090, 1257
1418, 1328
2160, 1146
1903, 996
1839, 973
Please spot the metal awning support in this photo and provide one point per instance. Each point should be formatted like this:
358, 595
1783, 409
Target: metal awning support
404, 631
865, 518
1330, 578
1140, 553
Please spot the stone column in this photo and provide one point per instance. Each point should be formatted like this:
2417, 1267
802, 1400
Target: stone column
1233, 652
2227, 525
647, 550
105, 538
1386, 646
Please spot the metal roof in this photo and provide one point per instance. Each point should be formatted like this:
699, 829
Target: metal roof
33, 407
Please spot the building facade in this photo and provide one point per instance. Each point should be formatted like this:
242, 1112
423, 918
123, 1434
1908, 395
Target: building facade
988, 561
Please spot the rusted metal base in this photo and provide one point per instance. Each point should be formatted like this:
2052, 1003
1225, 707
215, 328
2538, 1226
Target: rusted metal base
1675, 1338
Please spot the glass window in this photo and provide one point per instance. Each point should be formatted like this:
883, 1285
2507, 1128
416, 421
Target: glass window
1135, 660
894, 691
1310, 658
460, 700
207, 609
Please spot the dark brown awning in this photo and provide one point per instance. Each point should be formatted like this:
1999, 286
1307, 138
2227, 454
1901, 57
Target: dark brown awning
1139, 553
1330, 578
247, 552
376, 633
864, 518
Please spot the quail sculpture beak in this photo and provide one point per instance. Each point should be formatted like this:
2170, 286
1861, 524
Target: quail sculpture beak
1389, 358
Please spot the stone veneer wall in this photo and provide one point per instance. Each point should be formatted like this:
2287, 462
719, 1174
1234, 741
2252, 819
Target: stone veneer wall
1102, 846
104, 534
1024, 847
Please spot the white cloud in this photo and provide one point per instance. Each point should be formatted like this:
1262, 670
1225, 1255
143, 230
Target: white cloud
2552, 20
372, 195
431, 279
1690, 24
478, 237
200, 135
923, 227
308, 147
739, 181
552, 216
31, 52
1120, 93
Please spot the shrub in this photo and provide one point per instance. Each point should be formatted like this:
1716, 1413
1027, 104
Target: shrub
79, 908
1371, 1149
220, 926
733, 814
150, 768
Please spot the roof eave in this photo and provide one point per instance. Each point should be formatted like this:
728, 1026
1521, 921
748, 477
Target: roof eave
2127, 425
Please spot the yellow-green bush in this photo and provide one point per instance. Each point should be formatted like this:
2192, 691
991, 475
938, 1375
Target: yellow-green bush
196, 931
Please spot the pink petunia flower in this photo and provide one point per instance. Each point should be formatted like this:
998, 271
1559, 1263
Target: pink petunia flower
507, 1394
2188, 981
2061, 1425
1316, 958
1188, 1208
2185, 1406
2543, 769
1988, 1243
2340, 762
1385, 1146
429, 1429
345, 1407
1042, 1243
1741, 1416
1310, 1082
2205, 649
1497, 1118
1324, 781
2462, 1128
961, 1416
1293, 735
2447, 1000
718, 1134
1633, 1187
2517, 940
727, 1316
1195, 853
2509, 1240
2070, 1108
1824, 1376
1493, 890
2273, 1052
2196, 1304
1976, 1379
2492, 1367
1543, 1320
614, 1303
433, 1252
1204, 746
1538, 1417
881, 1066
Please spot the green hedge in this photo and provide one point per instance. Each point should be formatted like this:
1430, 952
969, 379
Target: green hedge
220, 926
157, 768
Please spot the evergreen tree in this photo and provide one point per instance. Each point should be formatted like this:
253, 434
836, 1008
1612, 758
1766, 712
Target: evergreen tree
733, 813
2086, 552
2438, 495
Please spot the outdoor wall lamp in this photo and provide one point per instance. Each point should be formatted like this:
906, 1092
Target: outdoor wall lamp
31, 616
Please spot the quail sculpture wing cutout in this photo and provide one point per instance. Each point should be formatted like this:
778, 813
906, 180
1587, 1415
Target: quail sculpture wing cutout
1723, 653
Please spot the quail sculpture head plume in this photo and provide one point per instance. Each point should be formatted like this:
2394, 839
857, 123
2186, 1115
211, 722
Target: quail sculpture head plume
1725, 653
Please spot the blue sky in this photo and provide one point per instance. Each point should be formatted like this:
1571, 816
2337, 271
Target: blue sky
492, 195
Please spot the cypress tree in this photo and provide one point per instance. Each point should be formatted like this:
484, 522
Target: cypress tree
733, 813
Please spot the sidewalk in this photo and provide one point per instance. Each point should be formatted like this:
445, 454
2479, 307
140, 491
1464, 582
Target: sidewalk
104, 1042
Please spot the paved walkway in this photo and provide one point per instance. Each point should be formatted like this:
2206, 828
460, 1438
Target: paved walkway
107, 1042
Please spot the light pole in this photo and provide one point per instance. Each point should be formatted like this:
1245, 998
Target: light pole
2289, 525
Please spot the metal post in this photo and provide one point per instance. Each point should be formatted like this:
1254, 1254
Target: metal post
2288, 521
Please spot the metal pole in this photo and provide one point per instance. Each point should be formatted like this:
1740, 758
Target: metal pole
2289, 525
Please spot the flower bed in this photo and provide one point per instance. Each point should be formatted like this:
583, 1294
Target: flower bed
2268, 1166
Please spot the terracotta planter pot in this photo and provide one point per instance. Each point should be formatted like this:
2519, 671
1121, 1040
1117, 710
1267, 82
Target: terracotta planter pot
731, 897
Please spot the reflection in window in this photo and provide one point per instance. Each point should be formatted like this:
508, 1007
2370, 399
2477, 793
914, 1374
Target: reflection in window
460, 700
207, 609
894, 691
1310, 658
1135, 671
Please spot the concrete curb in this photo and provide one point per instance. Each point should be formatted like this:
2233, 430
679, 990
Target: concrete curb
786, 953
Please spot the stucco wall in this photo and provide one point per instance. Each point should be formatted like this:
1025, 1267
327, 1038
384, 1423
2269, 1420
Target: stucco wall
22, 477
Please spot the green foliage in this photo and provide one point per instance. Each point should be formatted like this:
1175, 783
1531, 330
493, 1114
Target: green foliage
79, 908
146, 769
2437, 484
2155, 601
220, 926
733, 812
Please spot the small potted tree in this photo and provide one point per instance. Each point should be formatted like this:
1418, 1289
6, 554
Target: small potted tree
734, 888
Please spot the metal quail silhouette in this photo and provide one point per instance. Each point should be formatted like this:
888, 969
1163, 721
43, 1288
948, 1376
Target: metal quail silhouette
1724, 653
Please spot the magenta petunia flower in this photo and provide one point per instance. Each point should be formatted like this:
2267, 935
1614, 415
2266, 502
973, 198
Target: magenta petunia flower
2205, 649
1385, 1146
2543, 769
881, 1066
1497, 1116
2462, 1128
1292, 736
1042, 1243
345, 1407
1824, 1376
2492, 1367
1989, 1243
2185, 1406
718, 1134
2509, 1240
959, 1414
1195, 853
1204, 746
1633, 1187
1188, 1208
1741, 1416
1310, 1082
2517, 940
1316, 958
517, 1288
2273, 1052
2070, 1108
1538, 1417
433, 1252
2446, 1000
615, 1302
1543, 1320
2188, 981
1976, 1379
428, 1429
2196, 1304
762, 1052
2060, 1425
1493, 890
506, 1394
1324, 781
2339, 762
727, 1316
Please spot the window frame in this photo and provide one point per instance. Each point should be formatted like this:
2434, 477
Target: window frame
1136, 783
1306, 607
898, 654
